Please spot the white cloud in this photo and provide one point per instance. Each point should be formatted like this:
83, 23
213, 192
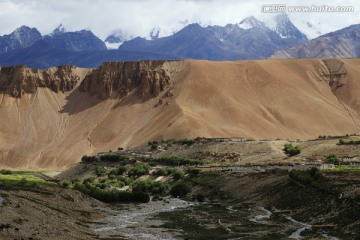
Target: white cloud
138, 17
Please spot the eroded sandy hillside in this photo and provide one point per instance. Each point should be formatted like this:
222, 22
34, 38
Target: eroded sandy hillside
50, 118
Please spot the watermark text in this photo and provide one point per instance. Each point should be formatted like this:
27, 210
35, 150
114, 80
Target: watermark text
282, 8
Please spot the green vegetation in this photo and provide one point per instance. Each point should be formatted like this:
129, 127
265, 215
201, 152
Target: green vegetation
100, 171
180, 190
161, 172
21, 181
111, 195
177, 174
89, 159
138, 170
332, 158
350, 142
5, 172
344, 169
122, 159
150, 186
154, 146
306, 177
117, 171
185, 141
292, 150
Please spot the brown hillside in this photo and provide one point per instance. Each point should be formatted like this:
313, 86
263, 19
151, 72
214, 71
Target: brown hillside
128, 104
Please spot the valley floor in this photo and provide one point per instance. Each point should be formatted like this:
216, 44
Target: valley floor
237, 206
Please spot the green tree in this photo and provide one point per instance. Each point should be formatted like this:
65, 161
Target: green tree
180, 190
332, 158
292, 150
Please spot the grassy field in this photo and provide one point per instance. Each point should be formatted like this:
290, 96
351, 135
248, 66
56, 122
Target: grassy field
21, 179
344, 168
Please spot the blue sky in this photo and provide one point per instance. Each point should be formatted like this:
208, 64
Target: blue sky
138, 17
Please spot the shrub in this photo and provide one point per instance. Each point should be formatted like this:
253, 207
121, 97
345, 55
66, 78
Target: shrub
118, 171
125, 180
332, 158
5, 172
115, 158
177, 174
306, 177
100, 171
161, 172
90, 180
149, 186
154, 146
140, 197
350, 142
67, 184
292, 150
89, 159
180, 190
139, 170
185, 141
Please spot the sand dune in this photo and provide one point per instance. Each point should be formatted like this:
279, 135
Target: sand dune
261, 99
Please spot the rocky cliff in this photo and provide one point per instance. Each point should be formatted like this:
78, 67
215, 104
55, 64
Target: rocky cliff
114, 79
18, 80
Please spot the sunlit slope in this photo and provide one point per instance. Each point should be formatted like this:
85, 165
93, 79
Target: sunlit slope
261, 99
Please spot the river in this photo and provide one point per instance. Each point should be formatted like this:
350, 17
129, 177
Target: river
134, 221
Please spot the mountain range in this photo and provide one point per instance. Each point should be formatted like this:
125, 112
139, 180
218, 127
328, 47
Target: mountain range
248, 39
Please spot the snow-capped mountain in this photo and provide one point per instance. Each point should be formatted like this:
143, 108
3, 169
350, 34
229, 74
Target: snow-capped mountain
286, 29
251, 22
155, 33
58, 30
249, 39
22, 37
115, 39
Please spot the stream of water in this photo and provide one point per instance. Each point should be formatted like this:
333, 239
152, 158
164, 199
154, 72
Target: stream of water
134, 220
262, 217
297, 233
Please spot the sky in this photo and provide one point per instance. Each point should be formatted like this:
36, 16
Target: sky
139, 17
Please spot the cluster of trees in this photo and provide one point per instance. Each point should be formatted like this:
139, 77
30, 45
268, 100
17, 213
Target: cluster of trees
112, 195
122, 159
292, 150
175, 173
180, 189
150, 186
5, 172
306, 177
139, 170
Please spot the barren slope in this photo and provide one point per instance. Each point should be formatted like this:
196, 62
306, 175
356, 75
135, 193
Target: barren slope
118, 105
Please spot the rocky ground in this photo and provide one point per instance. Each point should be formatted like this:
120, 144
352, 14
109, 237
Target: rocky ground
48, 213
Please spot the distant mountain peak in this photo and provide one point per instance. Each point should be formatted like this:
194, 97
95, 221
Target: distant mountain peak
116, 38
155, 33
21, 37
283, 26
251, 22
59, 30
21, 29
